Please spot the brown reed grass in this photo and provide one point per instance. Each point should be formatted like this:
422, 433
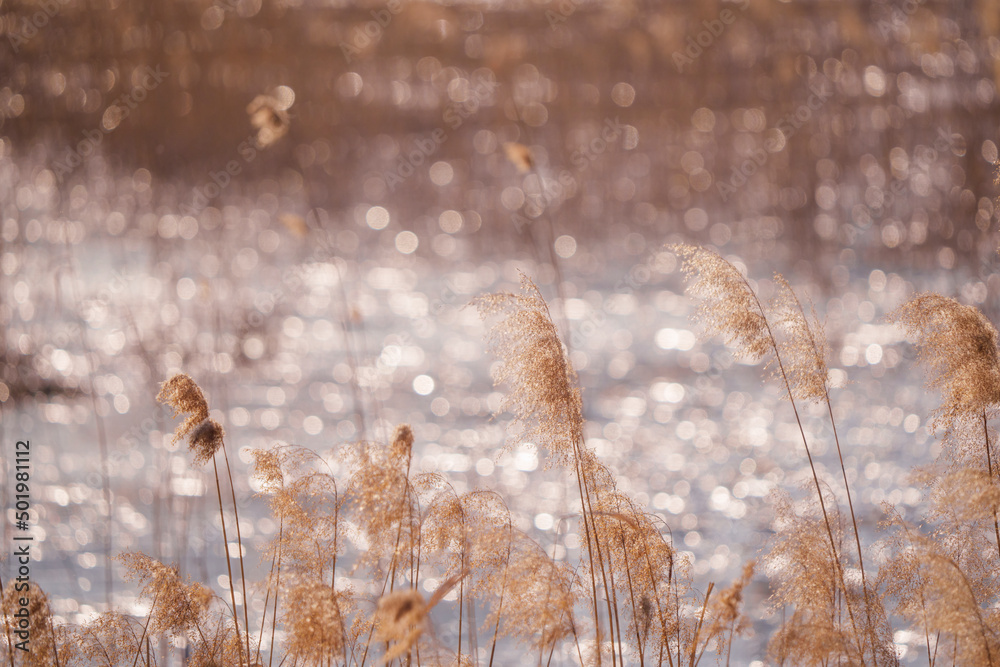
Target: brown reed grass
205, 438
414, 531
730, 308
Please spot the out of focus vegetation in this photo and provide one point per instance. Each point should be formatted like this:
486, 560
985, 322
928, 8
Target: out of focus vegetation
292, 201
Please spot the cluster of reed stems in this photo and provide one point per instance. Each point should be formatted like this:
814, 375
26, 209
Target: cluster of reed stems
625, 596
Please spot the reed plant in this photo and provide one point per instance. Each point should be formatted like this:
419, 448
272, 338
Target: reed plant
376, 563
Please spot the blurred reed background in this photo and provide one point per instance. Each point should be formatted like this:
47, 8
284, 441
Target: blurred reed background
292, 201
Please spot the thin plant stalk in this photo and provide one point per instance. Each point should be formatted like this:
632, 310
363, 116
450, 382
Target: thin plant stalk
611, 600
149, 617
229, 566
822, 504
239, 543
390, 577
697, 627
817, 352
631, 590
503, 591
656, 595
989, 468
589, 529
267, 598
277, 592
812, 466
923, 610
461, 590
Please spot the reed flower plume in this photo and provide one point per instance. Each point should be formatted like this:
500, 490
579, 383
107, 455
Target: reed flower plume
965, 495
540, 598
804, 577
112, 640
205, 438
401, 619
306, 502
946, 591
269, 116
726, 606
725, 618
804, 347
450, 526
959, 347
383, 500
403, 616
315, 624
804, 350
729, 306
546, 406
178, 608
222, 646
185, 396
44, 644
647, 572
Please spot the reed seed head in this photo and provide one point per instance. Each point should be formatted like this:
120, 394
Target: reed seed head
519, 155
547, 407
803, 347
185, 396
315, 624
729, 306
401, 619
959, 347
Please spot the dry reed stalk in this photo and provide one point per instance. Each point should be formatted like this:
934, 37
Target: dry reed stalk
697, 628
307, 504
205, 439
239, 545
904, 583
277, 589
806, 350
959, 347
547, 408
389, 519
730, 308
403, 616
445, 524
